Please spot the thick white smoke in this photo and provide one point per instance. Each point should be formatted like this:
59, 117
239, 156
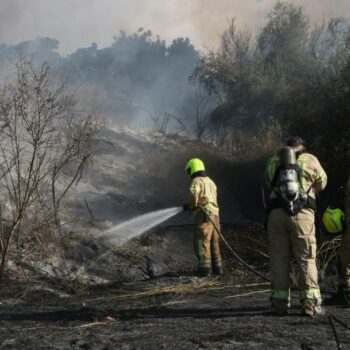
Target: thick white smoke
78, 23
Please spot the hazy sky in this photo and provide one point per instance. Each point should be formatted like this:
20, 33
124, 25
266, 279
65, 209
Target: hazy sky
78, 23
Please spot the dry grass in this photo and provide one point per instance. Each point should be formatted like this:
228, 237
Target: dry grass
326, 256
178, 289
247, 242
248, 294
327, 253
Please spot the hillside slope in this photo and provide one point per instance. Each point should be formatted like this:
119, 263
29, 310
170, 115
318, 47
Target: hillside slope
136, 171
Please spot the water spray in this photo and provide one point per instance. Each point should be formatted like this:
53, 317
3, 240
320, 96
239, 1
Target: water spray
125, 231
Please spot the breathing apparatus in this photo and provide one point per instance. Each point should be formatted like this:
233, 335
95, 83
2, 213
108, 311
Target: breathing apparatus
289, 182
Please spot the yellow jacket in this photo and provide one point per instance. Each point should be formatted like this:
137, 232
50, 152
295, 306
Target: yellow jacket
203, 193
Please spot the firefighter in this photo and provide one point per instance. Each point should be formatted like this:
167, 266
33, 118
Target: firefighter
294, 177
204, 207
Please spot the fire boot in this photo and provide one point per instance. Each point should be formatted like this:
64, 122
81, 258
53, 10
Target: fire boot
310, 307
279, 307
218, 270
204, 272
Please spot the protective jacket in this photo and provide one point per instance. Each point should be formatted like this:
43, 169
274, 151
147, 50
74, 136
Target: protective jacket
203, 193
313, 177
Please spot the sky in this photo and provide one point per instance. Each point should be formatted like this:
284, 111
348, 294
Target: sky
78, 23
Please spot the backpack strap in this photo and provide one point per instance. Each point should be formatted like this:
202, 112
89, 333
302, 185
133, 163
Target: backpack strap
275, 176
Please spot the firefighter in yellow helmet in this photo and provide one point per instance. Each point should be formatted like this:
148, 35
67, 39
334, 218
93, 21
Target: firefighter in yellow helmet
203, 204
294, 177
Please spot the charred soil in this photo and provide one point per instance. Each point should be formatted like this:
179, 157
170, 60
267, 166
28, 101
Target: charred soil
172, 310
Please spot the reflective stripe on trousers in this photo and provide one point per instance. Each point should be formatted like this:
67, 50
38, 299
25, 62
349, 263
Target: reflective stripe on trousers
310, 294
304, 294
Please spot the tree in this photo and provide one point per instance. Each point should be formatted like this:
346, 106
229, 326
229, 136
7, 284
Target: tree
283, 40
43, 149
289, 79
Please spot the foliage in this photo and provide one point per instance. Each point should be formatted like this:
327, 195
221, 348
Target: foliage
291, 75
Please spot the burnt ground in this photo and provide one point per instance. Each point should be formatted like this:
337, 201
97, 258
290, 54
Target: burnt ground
173, 310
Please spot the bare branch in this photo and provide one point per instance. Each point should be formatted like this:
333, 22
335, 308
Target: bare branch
41, 137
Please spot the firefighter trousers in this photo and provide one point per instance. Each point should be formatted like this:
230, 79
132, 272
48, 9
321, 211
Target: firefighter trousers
206, 241
288, 236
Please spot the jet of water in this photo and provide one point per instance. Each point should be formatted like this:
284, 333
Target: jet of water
123, 232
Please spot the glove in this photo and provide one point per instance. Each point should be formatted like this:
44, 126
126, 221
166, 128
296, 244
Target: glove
186, 207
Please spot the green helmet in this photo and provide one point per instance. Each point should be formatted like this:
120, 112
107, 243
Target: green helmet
194, 165
333, 220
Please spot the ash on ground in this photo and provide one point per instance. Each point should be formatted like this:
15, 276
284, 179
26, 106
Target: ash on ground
150, 299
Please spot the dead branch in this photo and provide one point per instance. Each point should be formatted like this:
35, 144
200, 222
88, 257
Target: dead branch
41, 138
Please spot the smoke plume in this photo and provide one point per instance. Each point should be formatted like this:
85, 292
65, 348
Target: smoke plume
78, 23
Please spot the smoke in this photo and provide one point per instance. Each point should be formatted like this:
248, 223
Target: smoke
78, 23
132, 77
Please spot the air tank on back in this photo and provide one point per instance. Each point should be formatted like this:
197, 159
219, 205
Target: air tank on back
288, 179
287, 157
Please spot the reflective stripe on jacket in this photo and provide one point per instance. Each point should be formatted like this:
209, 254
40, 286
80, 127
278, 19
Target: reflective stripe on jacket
313, 177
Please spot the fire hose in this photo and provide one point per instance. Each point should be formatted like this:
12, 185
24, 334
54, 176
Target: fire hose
244, 263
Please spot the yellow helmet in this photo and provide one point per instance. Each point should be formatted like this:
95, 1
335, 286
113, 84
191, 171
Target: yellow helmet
194, 165
333, 220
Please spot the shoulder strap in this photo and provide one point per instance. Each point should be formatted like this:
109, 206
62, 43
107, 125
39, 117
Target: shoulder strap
275, 177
